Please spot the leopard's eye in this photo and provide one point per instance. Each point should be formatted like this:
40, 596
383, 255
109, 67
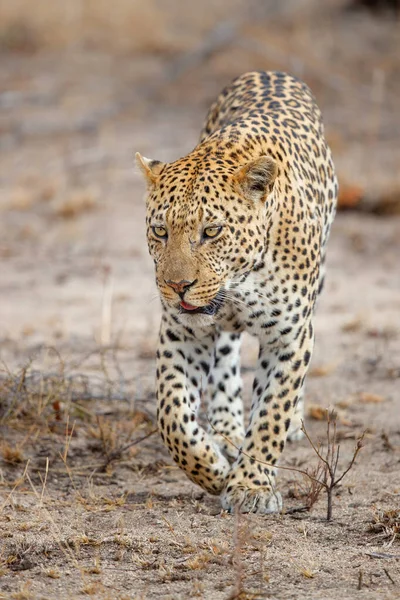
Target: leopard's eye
160, 232
212, 232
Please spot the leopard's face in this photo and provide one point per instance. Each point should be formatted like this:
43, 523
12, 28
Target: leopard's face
204, 231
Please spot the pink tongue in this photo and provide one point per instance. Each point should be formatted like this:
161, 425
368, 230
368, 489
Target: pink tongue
187, 306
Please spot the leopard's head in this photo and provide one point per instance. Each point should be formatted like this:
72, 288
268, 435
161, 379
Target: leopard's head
207, 222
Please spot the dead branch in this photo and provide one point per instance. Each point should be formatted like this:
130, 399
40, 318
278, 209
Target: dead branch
330, 461
328, 479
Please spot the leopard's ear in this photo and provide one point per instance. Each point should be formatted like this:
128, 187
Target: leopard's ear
256, 179
150, 168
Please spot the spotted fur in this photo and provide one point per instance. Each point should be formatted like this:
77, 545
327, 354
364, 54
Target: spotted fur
238, 231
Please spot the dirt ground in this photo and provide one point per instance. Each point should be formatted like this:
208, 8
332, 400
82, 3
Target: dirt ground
90, 502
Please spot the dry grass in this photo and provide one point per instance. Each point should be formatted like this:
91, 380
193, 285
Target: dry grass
386, 525
309, 487
49, 385
59, 401
50, 399
174, 556
52, 573
24, 592
11, 453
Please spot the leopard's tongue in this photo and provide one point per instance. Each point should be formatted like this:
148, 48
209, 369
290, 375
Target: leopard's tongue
187, 306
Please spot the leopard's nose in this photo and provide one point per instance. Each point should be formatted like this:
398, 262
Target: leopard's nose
180, 287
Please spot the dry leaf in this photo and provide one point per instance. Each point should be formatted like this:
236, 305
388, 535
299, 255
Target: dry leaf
317, 412
322, 370
344, 403
28, 330
353, 325
344, 421
367, 398
349, 196
77, 203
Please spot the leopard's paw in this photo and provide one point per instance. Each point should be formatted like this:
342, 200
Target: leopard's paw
261, 500
229, 446
295, 433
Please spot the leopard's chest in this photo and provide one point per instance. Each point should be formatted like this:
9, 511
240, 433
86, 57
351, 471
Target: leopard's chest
261, 306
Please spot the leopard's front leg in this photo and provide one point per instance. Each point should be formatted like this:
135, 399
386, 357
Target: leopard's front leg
183, 364
277, 388
225, 406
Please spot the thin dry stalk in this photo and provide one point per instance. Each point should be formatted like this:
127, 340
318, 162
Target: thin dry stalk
16, 485
44, 481
116, 454
106, 309
330, 480
64, 548
261, 462
313, 486
325, 476
68, 438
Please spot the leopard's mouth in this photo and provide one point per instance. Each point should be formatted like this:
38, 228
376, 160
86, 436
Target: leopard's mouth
209, 309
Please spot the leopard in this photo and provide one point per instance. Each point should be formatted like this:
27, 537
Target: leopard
238, 230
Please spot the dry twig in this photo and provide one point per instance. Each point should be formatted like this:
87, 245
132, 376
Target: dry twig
116, 454
330, 458
324, 477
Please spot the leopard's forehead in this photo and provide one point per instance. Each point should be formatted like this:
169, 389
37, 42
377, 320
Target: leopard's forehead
193, 188
198, 172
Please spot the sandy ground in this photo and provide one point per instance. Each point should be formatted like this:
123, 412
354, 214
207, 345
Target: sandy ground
78, 369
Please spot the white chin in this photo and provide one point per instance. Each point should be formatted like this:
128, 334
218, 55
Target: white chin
196, 320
